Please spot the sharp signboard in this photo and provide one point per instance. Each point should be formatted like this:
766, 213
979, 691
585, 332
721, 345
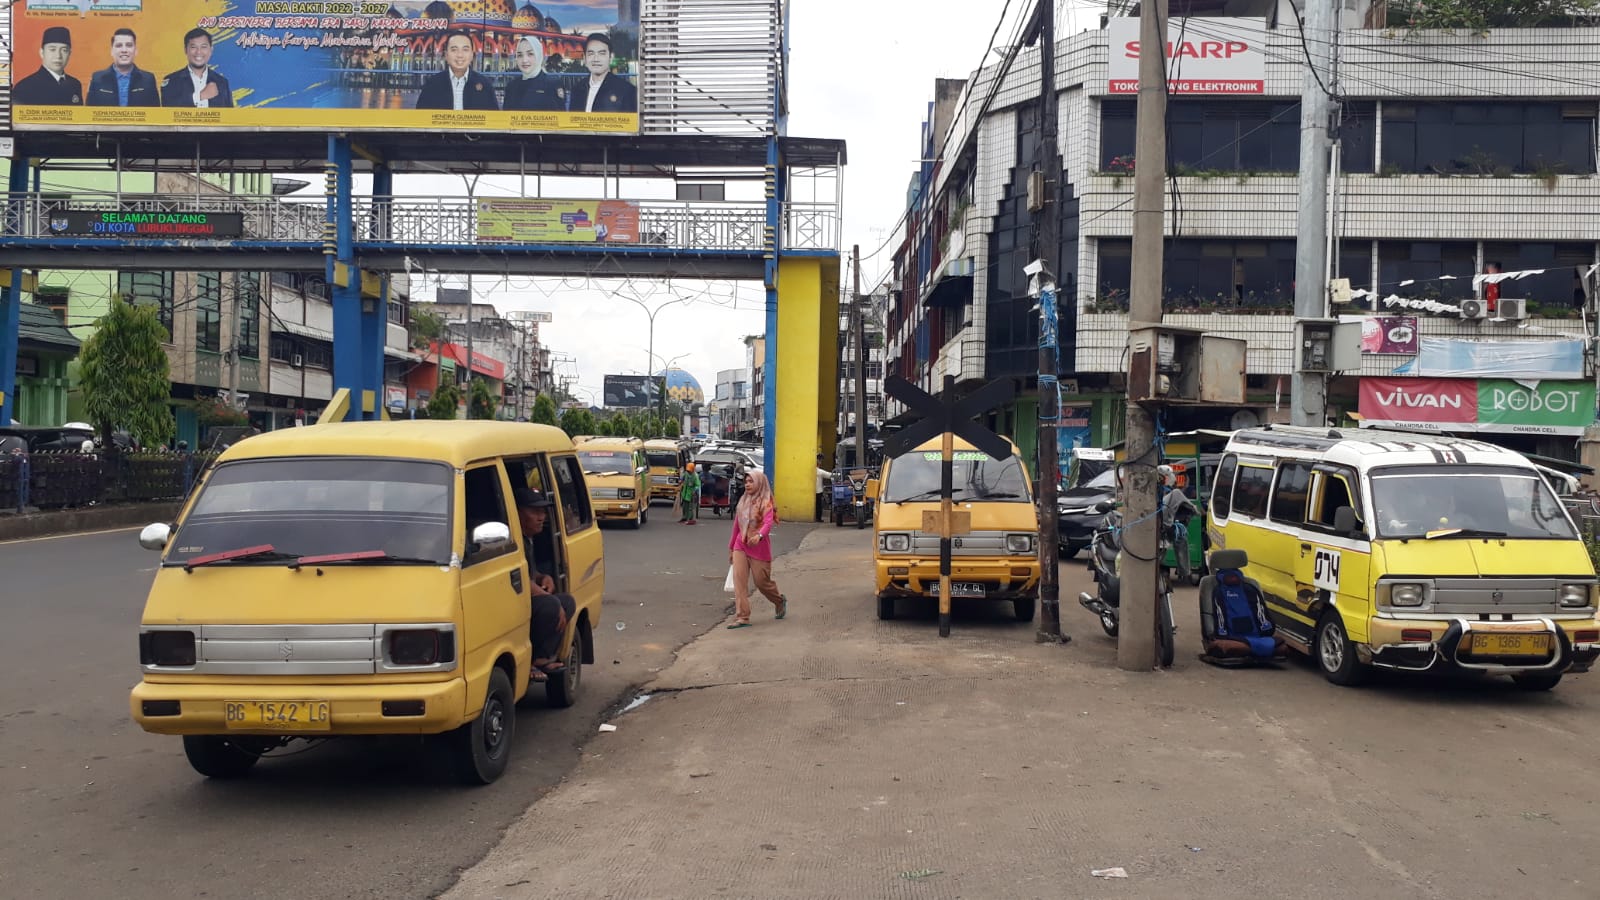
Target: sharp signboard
429, 65
1204, 56
628, 391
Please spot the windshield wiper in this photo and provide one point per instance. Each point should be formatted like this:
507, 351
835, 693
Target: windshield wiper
999, 496
1464, 532
364, 556
926, 495
263, 552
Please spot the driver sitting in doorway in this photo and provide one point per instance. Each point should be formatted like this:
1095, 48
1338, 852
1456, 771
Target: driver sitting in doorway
551, 611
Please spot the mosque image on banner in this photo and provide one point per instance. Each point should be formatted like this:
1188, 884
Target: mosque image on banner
434, 65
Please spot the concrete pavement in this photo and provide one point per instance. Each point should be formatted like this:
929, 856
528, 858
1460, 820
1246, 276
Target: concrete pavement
833, 755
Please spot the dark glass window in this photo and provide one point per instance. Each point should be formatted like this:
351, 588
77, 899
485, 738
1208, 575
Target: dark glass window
1251, 490
1561, 284
1289, 497
1222, 488
1234, 135
1425, 262
1207, 274
208, 311
247, 285
149, 289
1489, 138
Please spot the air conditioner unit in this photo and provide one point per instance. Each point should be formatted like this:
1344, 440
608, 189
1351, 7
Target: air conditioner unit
1513, 309
1474, 308
297, 361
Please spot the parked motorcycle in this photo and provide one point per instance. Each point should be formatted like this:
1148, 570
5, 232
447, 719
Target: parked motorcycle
1106, 546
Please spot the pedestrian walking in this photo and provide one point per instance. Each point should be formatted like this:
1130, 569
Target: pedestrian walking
689, 495
750, 549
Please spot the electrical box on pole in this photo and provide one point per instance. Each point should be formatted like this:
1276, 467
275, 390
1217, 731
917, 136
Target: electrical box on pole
1327, 345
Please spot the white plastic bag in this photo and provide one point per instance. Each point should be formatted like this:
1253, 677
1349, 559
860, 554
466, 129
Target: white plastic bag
727, 585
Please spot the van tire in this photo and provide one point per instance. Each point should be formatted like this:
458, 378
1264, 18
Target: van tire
1335, 654
637, 520
885, 607
561, 691
481, 749
1023, 608
1541, 681
644, 514
216, 756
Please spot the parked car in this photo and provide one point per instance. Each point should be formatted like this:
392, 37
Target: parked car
1077, 518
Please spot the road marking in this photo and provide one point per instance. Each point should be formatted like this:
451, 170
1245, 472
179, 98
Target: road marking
76, 534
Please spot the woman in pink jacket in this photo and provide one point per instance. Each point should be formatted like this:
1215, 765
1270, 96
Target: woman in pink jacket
750, 549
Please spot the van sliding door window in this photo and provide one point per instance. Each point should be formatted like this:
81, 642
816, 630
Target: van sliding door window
1250, 494
1289, 496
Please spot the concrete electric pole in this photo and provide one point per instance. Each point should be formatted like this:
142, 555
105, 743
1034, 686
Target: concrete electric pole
1141, 544
858, 310
1308, 397
1045, 207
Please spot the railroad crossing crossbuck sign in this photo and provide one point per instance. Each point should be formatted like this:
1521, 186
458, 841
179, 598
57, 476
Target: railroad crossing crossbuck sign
949, 418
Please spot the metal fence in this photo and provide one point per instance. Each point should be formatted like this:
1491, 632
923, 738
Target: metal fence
50, 481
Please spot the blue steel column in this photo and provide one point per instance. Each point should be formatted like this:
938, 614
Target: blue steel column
349, 371
774, 249
375, 325
11, 299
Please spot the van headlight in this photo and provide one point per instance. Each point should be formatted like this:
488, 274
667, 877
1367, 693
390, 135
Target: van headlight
1407, 594
896, 543
1019, 543
1573, 596
625, 494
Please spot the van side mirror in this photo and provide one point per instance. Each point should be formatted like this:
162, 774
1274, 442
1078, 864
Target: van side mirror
490, 537
1105, 506
872, 488
155, 536
1345, 522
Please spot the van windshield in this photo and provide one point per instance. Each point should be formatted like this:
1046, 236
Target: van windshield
319, 506
663, 460
607, 462
1476, 502
975, 476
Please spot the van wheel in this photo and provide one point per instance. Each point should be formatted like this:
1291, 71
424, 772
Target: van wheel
1542, 681
1335, 655
644, 514
637, 520
215, 756
1023, 608
481, 749
885, 607
561, 692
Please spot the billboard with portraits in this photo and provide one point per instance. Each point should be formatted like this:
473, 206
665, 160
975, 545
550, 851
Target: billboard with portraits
428, 65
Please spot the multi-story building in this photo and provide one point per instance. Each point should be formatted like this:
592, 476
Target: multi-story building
512, 343
731, 401
1460, 156
753, 418
850, 354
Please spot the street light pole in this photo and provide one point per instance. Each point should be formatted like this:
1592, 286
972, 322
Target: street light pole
651, 314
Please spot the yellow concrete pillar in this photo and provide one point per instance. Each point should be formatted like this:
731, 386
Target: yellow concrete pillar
807, 378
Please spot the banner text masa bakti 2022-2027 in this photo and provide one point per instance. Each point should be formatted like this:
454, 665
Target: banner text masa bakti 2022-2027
430, 65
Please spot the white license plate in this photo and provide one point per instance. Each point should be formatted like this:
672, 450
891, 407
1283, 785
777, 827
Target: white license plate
960, 589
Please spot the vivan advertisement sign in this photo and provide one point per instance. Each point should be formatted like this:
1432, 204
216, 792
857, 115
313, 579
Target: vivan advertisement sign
1204, 56
1488, 405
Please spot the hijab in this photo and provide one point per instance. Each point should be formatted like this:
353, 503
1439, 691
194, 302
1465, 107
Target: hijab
755, 503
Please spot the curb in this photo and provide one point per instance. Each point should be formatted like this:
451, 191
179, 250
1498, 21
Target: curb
96, 518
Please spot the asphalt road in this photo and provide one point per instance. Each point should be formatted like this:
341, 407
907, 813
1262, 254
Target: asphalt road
93, 806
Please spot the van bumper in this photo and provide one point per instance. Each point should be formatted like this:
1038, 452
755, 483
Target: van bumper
1002, 578
615, 509
353, 708
1576, 648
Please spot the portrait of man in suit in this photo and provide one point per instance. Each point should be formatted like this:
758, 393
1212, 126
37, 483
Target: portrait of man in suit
123, 84
51, 85
603, 91
197, 84
458, 86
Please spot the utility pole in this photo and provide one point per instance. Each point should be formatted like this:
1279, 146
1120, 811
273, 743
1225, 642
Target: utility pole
1309, 392
1046, 211
238, 336
1141, 544
861, 366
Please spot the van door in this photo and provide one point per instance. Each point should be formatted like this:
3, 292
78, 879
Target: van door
1333, 567
1250, 529
584, 549
494, 590
1283, 537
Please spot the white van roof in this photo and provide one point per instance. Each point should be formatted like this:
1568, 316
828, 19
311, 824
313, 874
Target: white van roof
1366, 448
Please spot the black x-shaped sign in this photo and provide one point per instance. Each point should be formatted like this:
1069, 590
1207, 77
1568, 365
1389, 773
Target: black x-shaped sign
949, 414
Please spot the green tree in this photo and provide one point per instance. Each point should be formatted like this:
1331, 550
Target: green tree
445, 402
426, 327
1482, 15
672, 429
481, 401
544, 410
125, 378
578, 421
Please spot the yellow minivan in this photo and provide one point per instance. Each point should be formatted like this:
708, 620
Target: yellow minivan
619, 478
1407, 551
666, 459
997, 560
365, 578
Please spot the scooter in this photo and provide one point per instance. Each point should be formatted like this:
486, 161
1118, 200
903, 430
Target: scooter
1106, 546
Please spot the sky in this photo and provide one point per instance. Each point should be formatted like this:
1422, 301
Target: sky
876, 104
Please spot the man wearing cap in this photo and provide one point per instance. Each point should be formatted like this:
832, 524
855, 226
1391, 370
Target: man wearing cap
51, 85
458, 87
123, 83
197, 84
602, 91
550, 611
